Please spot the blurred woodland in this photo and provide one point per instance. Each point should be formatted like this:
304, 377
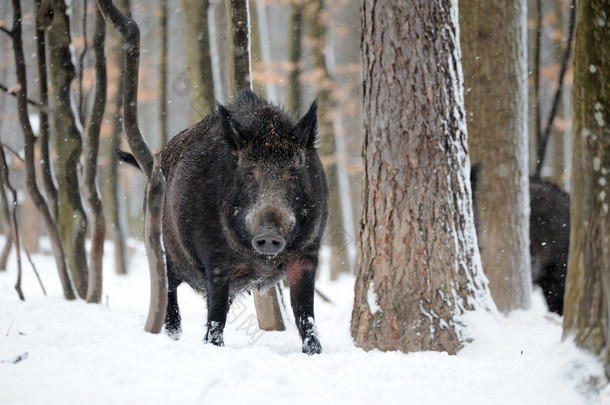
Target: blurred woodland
300, 50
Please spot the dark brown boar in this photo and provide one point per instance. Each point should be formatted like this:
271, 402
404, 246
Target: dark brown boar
246, 205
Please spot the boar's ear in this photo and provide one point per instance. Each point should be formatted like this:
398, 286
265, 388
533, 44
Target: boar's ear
230, 128
306, 130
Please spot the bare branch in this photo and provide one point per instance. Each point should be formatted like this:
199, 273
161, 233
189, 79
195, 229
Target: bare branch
10, 92
13, 151
27, 253
14, 229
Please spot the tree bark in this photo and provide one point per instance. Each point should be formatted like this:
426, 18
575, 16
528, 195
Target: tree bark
418, 265
163, 75
94, 202
44, 134
238, 43
587, 297
494, 61
71, 220
295, 96
155, 189
149, 163
28, 146
324, 86
114, 109
199, 58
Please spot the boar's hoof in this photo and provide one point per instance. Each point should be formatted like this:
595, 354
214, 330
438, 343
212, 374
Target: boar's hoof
174, 333
312, 345
268, 242
214, 335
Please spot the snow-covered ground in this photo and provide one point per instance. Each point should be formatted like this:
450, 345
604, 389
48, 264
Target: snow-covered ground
78, 353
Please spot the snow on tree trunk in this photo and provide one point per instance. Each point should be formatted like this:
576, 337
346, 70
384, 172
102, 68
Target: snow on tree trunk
495, 76
587, 297
418, 265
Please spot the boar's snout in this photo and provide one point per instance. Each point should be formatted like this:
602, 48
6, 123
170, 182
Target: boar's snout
268, 241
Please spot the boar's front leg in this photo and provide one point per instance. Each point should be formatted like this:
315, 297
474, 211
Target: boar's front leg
302, 274
218, 306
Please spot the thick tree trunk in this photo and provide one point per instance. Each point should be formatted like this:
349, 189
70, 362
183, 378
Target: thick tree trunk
587, 298
324, 85
71, 220
494, 60
418, 265
199, 58
94, 202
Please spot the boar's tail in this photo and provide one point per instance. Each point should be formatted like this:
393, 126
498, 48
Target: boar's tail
127, 157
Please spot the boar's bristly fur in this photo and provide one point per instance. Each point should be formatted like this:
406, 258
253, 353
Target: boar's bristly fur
246, 205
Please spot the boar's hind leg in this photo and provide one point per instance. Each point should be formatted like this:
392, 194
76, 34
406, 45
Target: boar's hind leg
172, 314
302, 276
218, 307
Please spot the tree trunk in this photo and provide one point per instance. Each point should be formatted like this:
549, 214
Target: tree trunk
494, 52
45, 131
239, 45
28, 147
199, 58
587, 297
295, 96
163, 75
149, 163
267, 306
418, 265
115, 111
71, 220
324, 86
94, 202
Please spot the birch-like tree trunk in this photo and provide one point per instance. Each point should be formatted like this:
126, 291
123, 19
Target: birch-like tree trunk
71, 219
587, 297
495, 76
90, 191
418, 265
115, 113
199, 58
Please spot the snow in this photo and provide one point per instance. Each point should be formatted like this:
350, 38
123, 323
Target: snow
99, 354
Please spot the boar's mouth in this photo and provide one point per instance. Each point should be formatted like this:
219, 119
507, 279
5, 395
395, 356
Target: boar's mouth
268, 241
